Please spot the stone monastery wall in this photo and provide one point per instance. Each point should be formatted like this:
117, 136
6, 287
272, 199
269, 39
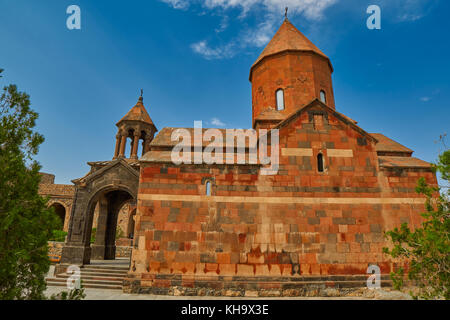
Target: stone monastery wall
298, 222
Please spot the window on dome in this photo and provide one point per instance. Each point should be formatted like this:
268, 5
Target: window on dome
280, 99
323, 96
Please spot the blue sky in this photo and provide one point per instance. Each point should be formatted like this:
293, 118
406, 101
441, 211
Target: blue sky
192, 58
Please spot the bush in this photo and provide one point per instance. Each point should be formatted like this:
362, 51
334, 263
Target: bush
426, 248
119, 234
93, 234
58, 236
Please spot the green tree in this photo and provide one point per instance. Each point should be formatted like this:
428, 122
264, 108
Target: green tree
427, 248
26, 223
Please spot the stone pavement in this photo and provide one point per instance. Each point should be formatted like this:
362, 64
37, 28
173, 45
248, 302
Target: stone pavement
100, 294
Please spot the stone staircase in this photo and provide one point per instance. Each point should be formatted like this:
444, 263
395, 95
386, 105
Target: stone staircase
95, 276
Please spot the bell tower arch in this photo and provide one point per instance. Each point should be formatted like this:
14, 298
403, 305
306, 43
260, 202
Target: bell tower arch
137, 126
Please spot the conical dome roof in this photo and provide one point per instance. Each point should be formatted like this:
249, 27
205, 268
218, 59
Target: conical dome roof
137, 113
288, 38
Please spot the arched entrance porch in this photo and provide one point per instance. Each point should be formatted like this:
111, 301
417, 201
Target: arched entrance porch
108, 186
109, 204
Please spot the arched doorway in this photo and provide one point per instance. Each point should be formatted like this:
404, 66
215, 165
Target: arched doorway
109, 204
60, 211
108, 186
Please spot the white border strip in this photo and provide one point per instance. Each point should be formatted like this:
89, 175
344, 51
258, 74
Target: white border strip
280, 200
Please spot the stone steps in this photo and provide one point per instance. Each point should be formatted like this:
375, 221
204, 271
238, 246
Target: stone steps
95, 276
89, 281
105, 267
103, 272
96, 285
92, 277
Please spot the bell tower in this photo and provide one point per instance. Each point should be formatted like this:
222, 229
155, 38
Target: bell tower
290, 73
138, 126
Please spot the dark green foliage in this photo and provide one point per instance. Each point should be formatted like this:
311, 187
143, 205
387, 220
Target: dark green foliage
93, 234
119, 234
427, 248
58, 236
26, 224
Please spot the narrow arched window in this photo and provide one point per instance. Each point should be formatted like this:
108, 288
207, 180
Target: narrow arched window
280, 99
323, 96
208, 188
320, 162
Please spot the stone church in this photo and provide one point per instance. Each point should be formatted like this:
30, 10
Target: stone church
227, 228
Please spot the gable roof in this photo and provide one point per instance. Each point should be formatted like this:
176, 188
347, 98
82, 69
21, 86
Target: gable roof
386, 144
288, 38
402, 162
108, 165
316, 102
162, 145
269, 114
164, 137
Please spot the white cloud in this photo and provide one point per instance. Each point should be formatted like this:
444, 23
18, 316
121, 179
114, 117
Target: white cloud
260, 35
209, 53
312, 9
177, 4
251, 37
409, 17
408, 10
268, 15
430, 97
223, 24
216, 122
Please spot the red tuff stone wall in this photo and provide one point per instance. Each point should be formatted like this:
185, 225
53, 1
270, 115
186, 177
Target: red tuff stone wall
296, 223
301, 75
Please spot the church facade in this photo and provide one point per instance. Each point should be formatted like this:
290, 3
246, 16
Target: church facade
228, 229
